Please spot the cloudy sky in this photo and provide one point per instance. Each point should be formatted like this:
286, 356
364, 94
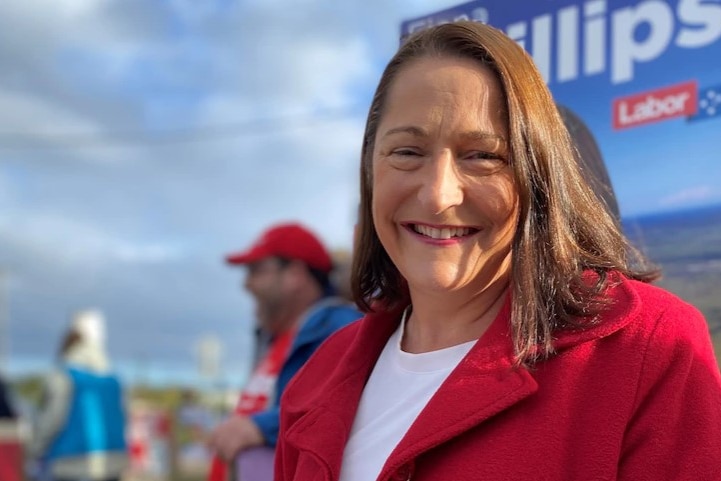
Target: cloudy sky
141, 140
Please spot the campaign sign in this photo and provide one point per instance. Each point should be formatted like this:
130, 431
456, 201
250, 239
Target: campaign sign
644, 77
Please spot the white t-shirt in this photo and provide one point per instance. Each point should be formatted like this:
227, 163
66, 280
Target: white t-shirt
398, 389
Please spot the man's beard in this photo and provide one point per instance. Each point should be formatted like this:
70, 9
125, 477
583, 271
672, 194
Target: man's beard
269, 315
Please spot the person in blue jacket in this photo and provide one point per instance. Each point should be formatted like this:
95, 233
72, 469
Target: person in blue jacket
79, 434
288, 275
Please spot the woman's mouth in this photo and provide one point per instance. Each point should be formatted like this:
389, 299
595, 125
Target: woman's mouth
442, 233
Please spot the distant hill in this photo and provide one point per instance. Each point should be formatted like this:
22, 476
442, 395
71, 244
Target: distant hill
687, 246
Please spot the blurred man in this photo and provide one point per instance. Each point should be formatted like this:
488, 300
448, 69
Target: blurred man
287, 273
11, 465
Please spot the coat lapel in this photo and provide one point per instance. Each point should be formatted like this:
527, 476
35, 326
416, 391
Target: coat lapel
484, 384
323, 429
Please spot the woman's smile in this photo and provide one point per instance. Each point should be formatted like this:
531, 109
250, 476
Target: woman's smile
441, 234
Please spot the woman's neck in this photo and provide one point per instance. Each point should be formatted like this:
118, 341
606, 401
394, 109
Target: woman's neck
440, 320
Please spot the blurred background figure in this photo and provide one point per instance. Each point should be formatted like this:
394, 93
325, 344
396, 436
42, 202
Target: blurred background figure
11, 465
79, 433
6, 408
590, 159
296, 306
340, 277
193, 422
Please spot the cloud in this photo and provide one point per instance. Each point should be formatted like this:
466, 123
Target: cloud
59, 239
37, 116
8, 200
691, 196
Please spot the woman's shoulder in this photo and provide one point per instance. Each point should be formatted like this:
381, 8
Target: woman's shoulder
638, 314
326, 358
677, 356
655, 307
349, 351
664, 327
339, 338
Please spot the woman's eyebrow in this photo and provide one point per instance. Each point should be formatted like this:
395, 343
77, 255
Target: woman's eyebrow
406, 129
481, 135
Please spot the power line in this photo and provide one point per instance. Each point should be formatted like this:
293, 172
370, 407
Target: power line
120, 138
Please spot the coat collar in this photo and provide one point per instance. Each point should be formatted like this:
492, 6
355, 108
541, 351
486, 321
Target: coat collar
624, 305
325, 419
483, 385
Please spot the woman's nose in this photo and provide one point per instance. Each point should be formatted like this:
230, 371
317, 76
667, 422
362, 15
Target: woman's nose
442, 185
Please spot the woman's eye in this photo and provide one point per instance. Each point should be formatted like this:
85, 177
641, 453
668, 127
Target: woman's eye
482, 162
406, 158
410, 152
482, 156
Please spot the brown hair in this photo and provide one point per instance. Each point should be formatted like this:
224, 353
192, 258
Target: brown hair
71, 338
563, 229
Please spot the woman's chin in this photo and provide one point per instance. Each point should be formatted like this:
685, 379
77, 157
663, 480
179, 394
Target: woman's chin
436, 282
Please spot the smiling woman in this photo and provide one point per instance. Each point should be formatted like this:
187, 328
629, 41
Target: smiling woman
511, 329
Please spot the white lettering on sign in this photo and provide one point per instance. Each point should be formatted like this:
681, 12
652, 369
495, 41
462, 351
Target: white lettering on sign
652, 108
698, 22
675, 101
624, 38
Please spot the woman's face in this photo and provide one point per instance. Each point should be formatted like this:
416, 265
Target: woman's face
444, 200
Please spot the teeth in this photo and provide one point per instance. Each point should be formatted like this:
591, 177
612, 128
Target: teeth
445, 233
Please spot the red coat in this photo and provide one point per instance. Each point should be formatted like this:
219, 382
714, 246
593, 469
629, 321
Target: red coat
636, 398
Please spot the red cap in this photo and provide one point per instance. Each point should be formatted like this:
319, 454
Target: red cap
290, 241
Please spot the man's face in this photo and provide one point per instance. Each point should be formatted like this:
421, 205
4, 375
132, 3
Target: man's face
266, 282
